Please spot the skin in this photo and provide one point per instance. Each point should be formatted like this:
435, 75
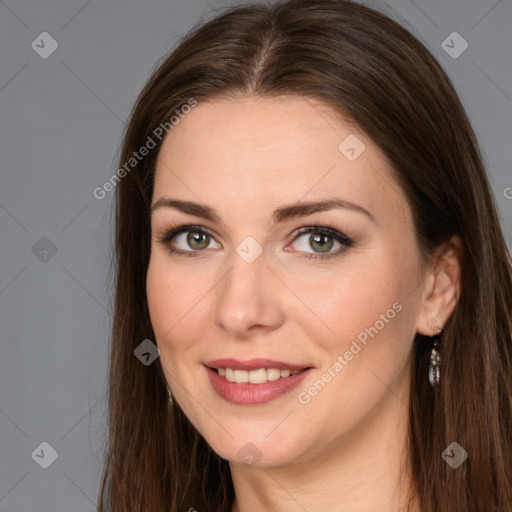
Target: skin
346, 448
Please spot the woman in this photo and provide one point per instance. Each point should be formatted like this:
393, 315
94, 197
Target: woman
305, 230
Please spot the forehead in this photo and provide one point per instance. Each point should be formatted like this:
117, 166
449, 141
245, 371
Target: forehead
272, 151
278, 129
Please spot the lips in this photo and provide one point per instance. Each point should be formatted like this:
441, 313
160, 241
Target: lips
252, 393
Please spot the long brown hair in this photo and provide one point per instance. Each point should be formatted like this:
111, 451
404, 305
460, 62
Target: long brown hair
370, 69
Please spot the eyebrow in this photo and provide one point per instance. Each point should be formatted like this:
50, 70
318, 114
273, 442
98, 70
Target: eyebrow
281, 214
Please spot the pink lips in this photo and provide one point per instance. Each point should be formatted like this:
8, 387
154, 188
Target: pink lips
247, 393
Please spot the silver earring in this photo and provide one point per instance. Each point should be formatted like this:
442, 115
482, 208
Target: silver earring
170, 395
434, 370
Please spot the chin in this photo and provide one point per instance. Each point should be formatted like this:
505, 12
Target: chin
255, 451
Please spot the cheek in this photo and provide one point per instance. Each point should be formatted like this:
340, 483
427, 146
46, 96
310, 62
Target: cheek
169, 293
178, 306
372, 302
158, 291
169, 298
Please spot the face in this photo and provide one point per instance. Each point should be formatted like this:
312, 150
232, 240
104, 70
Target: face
333, 292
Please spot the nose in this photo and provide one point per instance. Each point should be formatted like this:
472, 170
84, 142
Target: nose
247, 299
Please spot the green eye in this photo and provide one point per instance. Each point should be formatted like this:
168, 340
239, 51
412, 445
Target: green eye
193, 239
321, 240
323, 243
200, 238
318, 245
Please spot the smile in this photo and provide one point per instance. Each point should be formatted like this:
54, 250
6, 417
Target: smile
257, 385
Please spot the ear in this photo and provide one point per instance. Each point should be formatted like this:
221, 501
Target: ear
442, 288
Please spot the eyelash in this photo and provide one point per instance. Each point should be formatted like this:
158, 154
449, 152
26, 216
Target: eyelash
325, 229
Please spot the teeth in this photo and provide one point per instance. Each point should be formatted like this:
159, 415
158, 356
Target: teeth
258, 376
273, 374
241, 376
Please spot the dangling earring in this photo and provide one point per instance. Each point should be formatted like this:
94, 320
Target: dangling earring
434, 369
170, 395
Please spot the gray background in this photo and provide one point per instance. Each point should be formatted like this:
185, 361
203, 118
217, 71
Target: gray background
61, 123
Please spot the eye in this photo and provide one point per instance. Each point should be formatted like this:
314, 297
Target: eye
321, 239
189, 239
